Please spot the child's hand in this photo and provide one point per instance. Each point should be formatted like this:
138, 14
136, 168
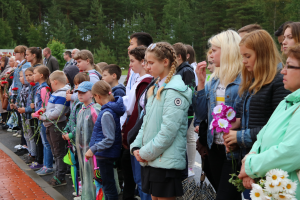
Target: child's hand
43, 109
66, 137
32, 105
32, 115
68, 97
88, 154
136, 153
11, 106
21, 110
40, 118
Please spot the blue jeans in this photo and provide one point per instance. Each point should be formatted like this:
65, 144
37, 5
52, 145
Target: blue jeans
136, 169
48, 157
106, 167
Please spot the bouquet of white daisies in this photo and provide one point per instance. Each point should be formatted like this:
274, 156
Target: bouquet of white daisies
275, 185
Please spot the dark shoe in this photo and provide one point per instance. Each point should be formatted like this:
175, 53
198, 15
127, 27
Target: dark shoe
21, 152
36, 166
29, 160
4, 127
55, 182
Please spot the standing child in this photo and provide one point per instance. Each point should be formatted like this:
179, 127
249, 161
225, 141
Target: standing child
85, 123
85, 63
111, 74
106, 139
70, 72
21, 104
42, 94
77, 105
27, 96
160, 146
55, 113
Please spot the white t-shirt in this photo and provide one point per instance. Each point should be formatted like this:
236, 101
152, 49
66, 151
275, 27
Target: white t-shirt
220, 98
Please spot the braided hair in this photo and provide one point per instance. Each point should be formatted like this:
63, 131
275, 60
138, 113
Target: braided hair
161, 51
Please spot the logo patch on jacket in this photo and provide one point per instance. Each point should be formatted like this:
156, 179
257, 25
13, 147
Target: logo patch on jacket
178, 102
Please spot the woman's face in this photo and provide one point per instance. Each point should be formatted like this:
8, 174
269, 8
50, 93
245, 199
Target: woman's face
215, 55
2, 63
249, 57
288, 40
291, 76
29, 56
11, 62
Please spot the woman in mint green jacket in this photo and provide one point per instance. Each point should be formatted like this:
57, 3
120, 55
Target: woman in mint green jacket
277, 144
160, 146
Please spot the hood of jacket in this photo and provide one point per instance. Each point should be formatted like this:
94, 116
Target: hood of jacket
71, 72
120, 86
117, 106
63, 89
184, 66
177, 84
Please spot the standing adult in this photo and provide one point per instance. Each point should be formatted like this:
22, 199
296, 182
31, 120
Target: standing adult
68, 58
50, 61
221, 88
74, 51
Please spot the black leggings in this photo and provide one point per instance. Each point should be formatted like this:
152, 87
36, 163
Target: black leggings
221, 168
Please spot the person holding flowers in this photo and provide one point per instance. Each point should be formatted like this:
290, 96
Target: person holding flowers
54, 120
25, 116
278, 141
221, 88
261, 89
41, 97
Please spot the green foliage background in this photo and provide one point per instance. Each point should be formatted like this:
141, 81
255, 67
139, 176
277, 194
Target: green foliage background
104, 26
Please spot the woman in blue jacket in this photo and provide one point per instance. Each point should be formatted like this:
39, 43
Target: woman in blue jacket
222, 88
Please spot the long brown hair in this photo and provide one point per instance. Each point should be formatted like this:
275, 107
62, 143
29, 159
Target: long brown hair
267, 59
37, 51
161, 51
295, 26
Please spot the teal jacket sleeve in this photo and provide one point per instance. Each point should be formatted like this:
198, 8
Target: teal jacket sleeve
171, 123
282, 156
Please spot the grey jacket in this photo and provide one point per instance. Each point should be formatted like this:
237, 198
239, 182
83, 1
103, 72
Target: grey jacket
51, 63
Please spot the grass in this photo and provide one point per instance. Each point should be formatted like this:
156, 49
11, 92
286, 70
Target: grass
124, 71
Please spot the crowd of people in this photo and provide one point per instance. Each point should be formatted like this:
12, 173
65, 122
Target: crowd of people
145, 129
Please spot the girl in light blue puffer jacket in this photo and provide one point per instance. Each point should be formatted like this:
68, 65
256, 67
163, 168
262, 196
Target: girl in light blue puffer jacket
160, 146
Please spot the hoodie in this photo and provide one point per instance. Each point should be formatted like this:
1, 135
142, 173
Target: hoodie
119, 90
71, 71
106, 138
57, 107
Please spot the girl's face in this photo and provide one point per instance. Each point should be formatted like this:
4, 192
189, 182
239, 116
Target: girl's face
37, 76
29, 56
249, 57
21, 77
29, 76
288, 40
76, 86
2, 63
83, 64
156, 67
85, 97
11, 62
215, 55
291, 76
136, 65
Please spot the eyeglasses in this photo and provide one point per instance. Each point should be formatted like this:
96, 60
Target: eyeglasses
291, 67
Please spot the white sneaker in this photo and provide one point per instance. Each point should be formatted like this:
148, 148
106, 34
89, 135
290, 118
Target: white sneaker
77, 198
79, 193
191, 172
15, 135
9, 130
19, 135
18, 146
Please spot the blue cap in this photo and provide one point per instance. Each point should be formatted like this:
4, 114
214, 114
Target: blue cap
85, 86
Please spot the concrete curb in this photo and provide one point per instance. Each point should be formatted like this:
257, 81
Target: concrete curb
43, 184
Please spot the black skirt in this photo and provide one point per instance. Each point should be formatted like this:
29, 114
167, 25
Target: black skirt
162, 182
